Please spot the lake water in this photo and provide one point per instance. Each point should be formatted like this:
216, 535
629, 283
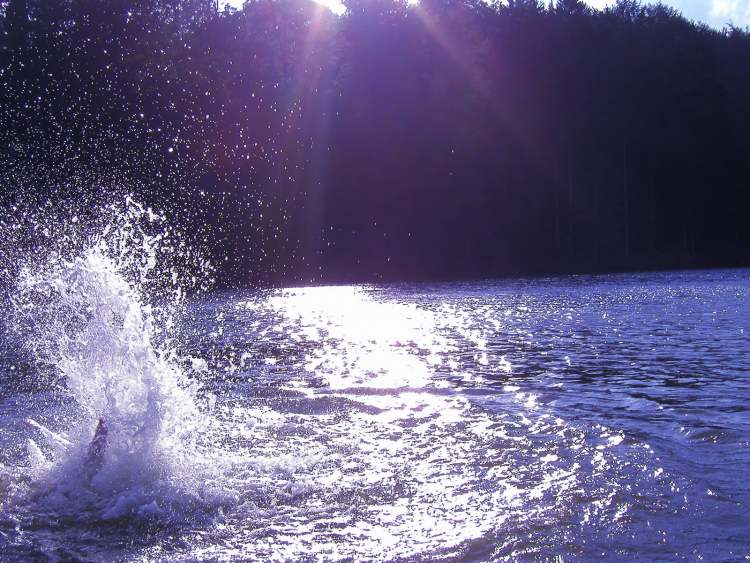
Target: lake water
584, 417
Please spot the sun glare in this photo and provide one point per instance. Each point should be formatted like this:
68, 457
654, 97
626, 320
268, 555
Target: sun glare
335, 6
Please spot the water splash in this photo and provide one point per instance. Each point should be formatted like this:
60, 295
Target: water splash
98, 317
348, 422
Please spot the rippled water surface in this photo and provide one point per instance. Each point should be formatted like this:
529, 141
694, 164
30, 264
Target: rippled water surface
582, 417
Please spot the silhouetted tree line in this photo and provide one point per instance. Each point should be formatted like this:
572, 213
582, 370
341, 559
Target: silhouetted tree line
444, 139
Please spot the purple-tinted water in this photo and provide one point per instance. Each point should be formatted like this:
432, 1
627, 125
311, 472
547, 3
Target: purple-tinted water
581, 417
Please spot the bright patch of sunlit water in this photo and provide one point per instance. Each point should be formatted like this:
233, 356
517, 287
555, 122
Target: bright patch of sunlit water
582, 417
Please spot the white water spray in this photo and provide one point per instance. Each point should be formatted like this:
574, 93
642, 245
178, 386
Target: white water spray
103, 322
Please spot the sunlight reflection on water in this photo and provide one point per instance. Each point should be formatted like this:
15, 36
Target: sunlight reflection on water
421, 466
364, 342
479, 421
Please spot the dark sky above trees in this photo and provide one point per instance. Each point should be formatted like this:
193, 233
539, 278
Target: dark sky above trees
448, 139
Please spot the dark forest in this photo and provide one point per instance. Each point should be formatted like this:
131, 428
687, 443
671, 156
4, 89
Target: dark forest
449, 139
